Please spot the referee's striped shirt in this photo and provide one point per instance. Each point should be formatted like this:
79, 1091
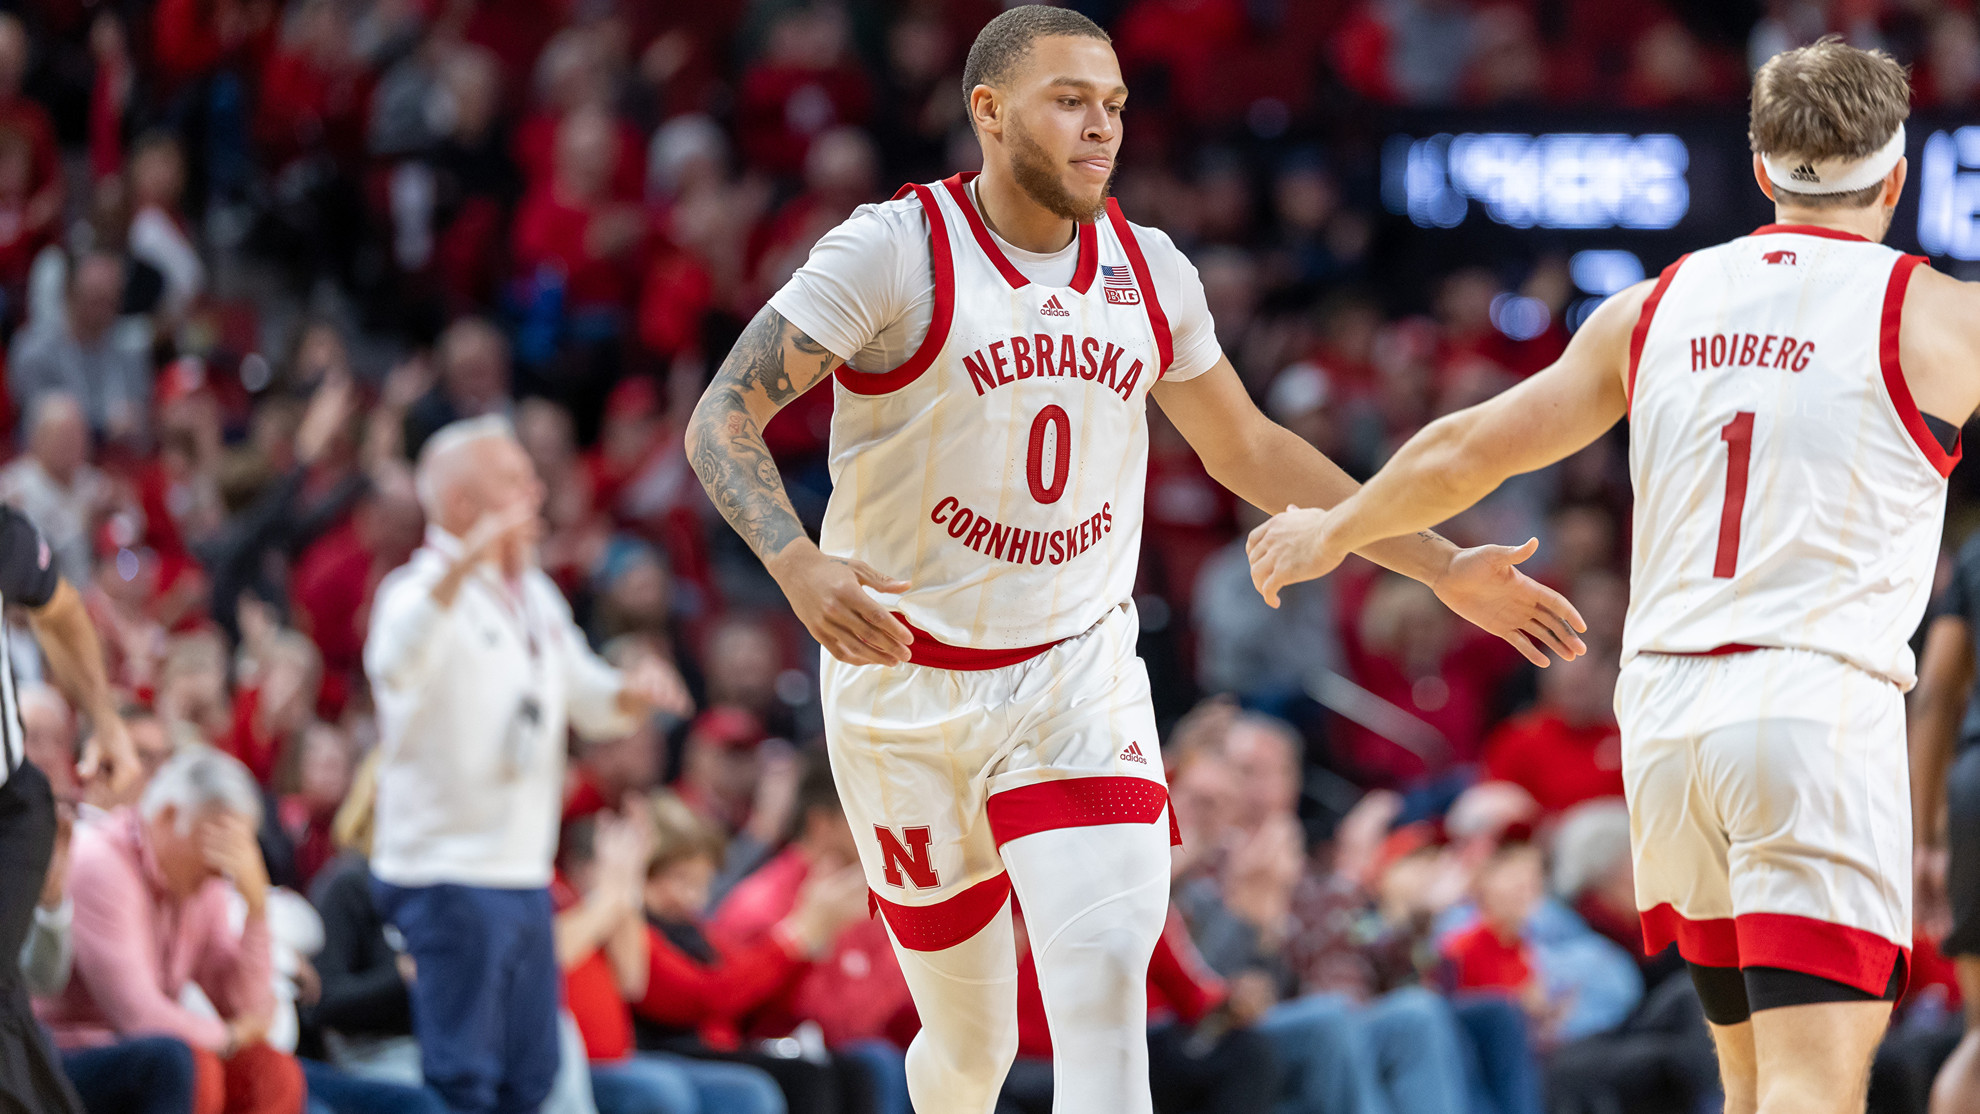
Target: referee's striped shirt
28, 577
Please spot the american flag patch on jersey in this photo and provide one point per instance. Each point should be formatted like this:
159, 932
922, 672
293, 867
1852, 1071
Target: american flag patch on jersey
1119, 285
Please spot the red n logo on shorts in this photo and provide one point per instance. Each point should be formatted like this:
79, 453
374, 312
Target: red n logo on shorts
913, 856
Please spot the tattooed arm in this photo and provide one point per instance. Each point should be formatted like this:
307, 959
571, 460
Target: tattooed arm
772, 363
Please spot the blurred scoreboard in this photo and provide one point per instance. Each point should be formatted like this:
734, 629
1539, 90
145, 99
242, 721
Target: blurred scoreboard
1623, 196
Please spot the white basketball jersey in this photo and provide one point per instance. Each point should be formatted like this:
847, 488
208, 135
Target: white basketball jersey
1000, 469
1788, 491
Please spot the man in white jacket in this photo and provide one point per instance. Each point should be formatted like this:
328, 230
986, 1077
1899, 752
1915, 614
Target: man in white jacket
477, 669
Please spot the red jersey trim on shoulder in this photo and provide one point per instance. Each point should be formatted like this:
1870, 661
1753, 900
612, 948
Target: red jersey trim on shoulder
943, 925
1894, 382
1074, 802
1642, 331
1165, 345
1089, 244
1810, 230
941, 316
933, 653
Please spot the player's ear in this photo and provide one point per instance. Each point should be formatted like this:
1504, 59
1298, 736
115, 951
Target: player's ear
1760, 176
1894, 183
985, 111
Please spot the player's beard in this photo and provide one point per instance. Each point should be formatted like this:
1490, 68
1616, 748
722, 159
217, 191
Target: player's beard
1040, 179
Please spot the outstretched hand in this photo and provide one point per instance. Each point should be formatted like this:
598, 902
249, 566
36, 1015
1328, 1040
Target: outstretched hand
1483, 587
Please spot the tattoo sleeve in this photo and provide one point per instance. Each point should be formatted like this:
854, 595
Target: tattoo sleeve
772, 363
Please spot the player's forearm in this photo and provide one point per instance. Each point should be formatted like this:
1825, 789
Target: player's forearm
772, 363
726, 449
75, 656
1433, 477
1279, 469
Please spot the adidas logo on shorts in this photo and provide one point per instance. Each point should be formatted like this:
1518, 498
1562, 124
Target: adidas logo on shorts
1052, 308
1132, 753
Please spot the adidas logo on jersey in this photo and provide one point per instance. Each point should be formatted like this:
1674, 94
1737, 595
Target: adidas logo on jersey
1052, 308
1133, 754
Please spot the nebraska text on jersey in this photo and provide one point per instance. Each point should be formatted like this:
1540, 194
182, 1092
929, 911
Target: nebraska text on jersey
999, 470
1042, 354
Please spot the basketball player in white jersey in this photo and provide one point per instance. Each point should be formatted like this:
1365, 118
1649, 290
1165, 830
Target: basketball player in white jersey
993, 340
1794, 399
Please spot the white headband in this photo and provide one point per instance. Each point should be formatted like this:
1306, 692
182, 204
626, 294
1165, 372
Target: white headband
1830, 176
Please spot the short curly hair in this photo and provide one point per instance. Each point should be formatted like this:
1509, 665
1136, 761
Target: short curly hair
1005, 40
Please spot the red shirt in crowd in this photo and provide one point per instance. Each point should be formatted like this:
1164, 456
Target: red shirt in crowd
257, 751
591, 992
715, 1000
1481, 959
550, 230
856, 992
332, 589
1559, 763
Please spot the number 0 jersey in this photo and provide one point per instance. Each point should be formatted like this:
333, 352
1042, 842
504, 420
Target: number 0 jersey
1788, 491
1000, 469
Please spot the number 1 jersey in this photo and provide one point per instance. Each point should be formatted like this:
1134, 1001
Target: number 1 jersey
1000, 468
1788, 491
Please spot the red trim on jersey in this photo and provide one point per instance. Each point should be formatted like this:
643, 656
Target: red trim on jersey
1165, 345
933, 928
1851, 956
1894, 384
1811, 230
1714, 652
942, 263
1089, 258
1004, 266
1089, 244
1074, 802
932, 652
1642, 331
1708, 943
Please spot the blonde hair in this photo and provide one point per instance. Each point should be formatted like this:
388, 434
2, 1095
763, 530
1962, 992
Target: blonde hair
680, 834
1828, 100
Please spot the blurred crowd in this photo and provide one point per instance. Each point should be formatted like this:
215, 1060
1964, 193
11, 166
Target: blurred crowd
254, 252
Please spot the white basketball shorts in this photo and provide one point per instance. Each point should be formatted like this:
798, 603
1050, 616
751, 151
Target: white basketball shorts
1770, 812
939, 768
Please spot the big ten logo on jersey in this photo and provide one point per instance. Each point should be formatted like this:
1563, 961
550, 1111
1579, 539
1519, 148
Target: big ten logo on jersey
1750, 350
907, 854
1049, 356
1118, 282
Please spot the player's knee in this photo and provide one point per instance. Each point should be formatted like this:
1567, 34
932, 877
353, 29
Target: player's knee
954, 1066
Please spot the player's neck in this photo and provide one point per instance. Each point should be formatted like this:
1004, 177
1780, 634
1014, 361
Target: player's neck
1013, 215
1869, 222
